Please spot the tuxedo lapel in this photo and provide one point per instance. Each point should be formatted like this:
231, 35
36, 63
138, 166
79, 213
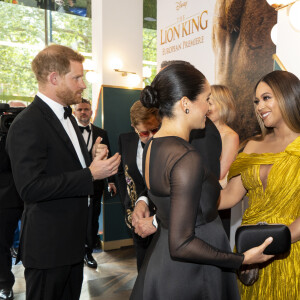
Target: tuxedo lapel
93, 133
132, 153
57, 126
82, 143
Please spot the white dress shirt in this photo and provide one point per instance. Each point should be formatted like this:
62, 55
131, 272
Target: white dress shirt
58, 109
139, 157
87, 136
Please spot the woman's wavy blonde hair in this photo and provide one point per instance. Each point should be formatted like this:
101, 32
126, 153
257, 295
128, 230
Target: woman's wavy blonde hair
224, 101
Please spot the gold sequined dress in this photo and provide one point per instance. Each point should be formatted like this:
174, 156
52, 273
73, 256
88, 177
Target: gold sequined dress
278, 203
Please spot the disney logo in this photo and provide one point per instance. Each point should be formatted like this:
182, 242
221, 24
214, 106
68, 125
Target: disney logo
181, 4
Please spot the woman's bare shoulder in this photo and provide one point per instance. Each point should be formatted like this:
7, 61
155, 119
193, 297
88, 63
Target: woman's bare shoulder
230, 136
257, 145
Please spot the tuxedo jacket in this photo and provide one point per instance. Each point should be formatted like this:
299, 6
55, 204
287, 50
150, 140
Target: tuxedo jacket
130, 181
53, 185
208, 143
9, 197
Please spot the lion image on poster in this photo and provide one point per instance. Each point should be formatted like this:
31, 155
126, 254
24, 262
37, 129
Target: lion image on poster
243, 53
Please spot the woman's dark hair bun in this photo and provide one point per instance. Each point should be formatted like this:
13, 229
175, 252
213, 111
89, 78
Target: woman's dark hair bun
149, 97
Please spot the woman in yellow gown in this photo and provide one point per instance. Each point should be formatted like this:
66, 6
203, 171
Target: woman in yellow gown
268, 171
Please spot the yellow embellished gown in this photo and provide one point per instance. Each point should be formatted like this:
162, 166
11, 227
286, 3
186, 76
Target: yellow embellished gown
278, 203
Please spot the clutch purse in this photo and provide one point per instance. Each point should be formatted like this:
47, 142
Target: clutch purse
249, 236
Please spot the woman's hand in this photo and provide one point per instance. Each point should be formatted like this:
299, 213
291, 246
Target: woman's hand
255, 255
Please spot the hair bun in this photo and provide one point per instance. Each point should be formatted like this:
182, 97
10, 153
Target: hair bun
149, 97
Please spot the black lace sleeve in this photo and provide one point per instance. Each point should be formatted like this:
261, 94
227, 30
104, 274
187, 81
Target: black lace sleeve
186, 179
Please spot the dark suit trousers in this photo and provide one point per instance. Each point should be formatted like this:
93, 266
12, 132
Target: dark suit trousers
93, 223
62, 283
9, 218
95, 217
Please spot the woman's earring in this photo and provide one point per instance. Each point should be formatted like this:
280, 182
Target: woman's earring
187, 111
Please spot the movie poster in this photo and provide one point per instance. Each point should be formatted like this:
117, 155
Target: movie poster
228, 40
184, 30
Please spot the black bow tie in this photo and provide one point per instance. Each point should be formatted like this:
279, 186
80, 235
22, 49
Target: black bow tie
68, 111
87, 128
143, 145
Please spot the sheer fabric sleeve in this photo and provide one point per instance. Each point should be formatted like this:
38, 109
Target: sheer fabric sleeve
186, 179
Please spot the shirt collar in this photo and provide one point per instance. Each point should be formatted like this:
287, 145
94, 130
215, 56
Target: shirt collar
79, 124
57, 108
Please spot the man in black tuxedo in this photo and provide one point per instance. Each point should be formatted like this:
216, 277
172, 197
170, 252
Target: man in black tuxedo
54, 177
83, 113
130, 177
11, 207
208, 142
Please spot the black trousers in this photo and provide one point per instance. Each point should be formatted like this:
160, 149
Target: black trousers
93, 222
95, 217
8, 223
62, 283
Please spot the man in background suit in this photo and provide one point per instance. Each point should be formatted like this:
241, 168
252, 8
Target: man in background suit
209, 144
54, 177
145, 122
11, 208
83, 113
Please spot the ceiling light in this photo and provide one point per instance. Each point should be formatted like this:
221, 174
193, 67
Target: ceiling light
294, 15
150, 19
274, 34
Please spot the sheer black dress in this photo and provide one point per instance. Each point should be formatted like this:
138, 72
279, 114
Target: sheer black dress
189, 257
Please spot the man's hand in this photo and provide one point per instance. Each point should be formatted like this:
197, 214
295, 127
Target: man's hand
99, 149
101, 169
141, 211
144, 227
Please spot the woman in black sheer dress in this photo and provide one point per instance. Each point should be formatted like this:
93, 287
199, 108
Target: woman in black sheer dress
189, 257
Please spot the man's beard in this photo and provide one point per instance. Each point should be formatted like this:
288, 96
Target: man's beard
68, 97
84, 120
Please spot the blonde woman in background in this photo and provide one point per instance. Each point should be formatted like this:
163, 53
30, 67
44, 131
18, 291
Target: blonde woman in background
222, 112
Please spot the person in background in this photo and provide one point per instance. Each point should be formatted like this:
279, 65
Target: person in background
20, 105
130, 174
11, 208
268, 171
222, 112
83, 113
54, 176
